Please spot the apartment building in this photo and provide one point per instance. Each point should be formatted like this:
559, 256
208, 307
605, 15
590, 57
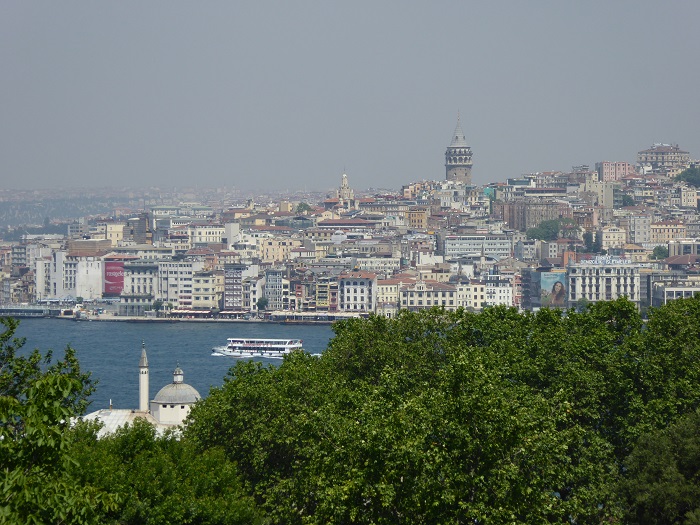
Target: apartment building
427, 294
357, 292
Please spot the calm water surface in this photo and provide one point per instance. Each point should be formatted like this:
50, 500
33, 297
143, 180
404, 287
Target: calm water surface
111, 351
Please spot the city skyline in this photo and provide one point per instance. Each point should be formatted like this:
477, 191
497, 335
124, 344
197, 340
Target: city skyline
290, 97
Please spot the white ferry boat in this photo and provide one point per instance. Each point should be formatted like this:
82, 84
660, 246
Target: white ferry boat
239, 347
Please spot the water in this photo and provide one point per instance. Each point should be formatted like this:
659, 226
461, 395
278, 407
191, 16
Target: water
111, 351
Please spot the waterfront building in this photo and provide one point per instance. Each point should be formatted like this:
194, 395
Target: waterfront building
139, 292
458, 158
277, 289
472, 295
205, 290
174, 281
326, 293
667, 290
358, 292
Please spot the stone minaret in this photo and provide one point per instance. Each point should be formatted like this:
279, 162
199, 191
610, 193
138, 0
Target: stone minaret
143, 380
458, 158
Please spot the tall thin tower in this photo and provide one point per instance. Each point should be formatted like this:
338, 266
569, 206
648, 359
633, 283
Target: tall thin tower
458, 157
143, 380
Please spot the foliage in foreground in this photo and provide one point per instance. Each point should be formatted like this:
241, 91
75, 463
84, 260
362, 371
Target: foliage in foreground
662, 482
160, 480
439, 417
52, 473
38, 399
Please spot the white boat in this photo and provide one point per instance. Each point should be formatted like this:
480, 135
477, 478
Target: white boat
241, 347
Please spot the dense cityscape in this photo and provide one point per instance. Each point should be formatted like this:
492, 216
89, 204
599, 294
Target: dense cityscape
557, 239
542, 239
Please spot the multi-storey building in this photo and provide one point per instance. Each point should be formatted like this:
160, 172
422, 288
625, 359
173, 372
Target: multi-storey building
603, 279
472, 295
277, 290
612, 237
638, 228
498, 290
612, 171
358, 292
174, 281
277, 249
528, 213
663, 157
426, 294
201, 235
494, 245
665, 231
233, 286
204, 290
140, 281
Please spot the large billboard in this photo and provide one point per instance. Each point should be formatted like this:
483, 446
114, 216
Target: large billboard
114, 277
553, 290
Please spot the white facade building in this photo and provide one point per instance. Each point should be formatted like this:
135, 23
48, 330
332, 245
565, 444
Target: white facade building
357, 292
494, 245
603, 279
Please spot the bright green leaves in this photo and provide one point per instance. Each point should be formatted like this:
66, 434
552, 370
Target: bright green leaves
37, 402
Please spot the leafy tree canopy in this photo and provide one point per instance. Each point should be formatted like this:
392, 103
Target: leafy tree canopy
303, 207
660, 252
160, 480
551, 230
455, 417
662, 475
38, 400
691, 176
627, 200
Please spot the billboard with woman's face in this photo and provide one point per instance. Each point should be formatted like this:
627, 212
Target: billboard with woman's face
553, 289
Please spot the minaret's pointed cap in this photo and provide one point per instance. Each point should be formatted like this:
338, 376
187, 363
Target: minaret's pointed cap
458, 139
144, 360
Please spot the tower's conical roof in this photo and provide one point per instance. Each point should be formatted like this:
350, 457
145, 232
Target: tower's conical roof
144, 360
458, 139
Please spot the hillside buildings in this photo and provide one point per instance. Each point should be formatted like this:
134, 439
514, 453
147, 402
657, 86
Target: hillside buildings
444, 243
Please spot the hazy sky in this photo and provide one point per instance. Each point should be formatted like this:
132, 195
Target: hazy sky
290, 94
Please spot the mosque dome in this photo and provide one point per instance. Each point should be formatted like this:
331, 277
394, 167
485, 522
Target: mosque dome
177, 392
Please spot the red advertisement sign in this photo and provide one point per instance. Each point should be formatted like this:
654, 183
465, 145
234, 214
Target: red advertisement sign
114, 277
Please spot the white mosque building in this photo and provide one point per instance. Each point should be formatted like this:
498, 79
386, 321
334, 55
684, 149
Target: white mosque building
168, 409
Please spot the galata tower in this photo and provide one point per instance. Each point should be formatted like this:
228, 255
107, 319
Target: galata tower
458, 158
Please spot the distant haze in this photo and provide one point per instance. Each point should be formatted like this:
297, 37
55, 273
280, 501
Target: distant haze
261, 95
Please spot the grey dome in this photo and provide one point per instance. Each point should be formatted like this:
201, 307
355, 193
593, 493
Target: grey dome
177, 394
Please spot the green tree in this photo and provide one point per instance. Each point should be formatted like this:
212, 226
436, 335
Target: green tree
160, 480
627, 200
591, 242
660, 252
550, 230
454, 417
262, 304
303, 207
691, 176
38, 400
661, 485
